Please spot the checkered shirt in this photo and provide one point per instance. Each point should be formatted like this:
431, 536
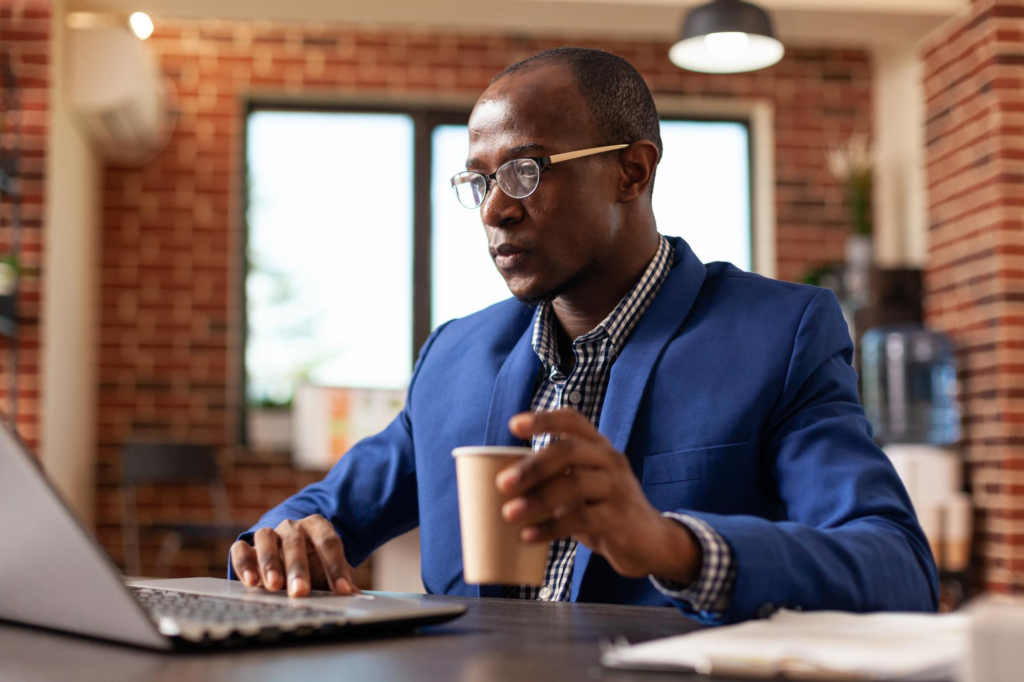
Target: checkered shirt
584, 389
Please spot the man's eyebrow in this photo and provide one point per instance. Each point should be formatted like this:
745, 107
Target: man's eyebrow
511, 153
521, 149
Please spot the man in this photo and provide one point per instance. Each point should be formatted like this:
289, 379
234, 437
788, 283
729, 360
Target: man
698, 436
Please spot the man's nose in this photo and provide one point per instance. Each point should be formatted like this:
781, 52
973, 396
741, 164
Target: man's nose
499, 209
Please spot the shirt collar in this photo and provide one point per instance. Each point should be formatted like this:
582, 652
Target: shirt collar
619, 322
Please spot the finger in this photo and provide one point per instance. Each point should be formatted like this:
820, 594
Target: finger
331, 554
243, 560
296, 558
552, 461
579, 521
267, 547
558, 496
565, 421
268, 551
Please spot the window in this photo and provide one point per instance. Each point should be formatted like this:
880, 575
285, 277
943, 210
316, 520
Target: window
330, 218
346, 275
702, 189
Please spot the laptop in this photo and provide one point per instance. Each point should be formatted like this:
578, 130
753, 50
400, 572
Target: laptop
54, 575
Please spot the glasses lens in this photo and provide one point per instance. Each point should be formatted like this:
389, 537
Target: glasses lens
470, 188
518, 178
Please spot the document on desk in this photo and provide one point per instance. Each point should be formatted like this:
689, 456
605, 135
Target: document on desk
827, 645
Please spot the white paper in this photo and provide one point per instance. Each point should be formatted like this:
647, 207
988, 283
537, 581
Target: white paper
860, 646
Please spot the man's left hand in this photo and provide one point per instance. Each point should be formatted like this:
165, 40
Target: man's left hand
581, 486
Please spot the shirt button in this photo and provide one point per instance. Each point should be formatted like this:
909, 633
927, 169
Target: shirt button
545, 593
575, 397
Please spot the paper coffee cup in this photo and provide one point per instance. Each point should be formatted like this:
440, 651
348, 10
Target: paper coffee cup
492, 553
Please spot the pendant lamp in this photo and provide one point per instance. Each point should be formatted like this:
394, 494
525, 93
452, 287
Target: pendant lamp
726, 36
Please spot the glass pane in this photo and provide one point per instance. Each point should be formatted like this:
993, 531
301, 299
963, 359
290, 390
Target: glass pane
702, 189
329, 286
464, 279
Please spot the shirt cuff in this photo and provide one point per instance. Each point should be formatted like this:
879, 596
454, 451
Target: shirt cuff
711, 592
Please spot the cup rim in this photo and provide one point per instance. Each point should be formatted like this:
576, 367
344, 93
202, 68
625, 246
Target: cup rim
493, 450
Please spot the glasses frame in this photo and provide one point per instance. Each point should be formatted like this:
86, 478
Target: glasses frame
542, 163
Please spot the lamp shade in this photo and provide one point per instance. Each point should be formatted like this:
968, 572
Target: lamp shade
726, 36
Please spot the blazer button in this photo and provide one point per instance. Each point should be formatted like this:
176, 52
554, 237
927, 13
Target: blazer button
766, 610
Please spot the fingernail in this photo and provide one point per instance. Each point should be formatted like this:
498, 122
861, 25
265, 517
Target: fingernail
511, 510
249, 577
298, 585
341, 586
272, 578
528, 534
508, 479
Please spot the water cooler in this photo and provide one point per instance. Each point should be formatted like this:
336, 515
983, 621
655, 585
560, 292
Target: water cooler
908, 390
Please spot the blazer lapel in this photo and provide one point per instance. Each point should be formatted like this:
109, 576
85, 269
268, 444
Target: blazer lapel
632, 369
513, 390
513, 393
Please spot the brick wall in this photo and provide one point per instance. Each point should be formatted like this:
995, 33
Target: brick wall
170, 228
974, 81
25, 46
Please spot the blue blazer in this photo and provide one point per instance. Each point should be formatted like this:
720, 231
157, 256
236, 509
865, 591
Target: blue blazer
734, 399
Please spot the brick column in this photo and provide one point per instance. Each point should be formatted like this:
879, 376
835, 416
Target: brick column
974, 280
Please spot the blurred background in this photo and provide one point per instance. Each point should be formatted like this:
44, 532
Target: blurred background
226, 228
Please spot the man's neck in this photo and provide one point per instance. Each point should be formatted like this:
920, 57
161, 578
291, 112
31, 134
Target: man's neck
580, 311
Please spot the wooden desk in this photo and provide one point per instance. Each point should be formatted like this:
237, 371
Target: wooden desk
495, 640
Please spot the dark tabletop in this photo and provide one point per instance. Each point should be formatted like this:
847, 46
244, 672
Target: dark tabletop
496, 639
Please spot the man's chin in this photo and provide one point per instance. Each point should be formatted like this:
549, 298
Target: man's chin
533, 296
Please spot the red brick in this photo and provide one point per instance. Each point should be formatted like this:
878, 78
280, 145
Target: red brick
972, 288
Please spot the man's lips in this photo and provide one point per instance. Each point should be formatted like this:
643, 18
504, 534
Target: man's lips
507, 256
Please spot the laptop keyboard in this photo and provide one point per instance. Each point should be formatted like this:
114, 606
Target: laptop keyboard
218, 616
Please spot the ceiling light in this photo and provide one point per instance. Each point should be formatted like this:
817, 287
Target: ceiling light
141, 24
726, 36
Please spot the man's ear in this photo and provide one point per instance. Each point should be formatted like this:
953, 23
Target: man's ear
639, 160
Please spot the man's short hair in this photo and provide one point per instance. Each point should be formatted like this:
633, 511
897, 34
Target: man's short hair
614, 92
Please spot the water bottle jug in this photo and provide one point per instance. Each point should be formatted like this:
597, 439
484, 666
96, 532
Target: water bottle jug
909, 385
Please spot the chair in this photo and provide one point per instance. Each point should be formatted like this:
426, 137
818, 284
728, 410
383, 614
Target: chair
171, 463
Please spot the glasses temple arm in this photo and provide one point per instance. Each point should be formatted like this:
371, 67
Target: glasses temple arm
582, 152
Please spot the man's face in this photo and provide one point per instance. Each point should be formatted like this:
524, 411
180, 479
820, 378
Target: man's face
564, 231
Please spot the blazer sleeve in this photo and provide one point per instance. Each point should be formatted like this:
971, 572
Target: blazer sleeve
370, 494
850, 539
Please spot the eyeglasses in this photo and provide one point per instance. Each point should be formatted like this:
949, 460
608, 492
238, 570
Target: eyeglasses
517, 178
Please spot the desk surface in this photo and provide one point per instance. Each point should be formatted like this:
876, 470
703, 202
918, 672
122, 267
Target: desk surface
495, 640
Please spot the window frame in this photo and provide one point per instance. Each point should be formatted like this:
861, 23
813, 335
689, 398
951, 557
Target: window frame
427, 112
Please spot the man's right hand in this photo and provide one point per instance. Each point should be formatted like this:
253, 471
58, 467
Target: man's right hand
308, 552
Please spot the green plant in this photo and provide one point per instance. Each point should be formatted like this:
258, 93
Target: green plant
851, 164
10, 271
269, 404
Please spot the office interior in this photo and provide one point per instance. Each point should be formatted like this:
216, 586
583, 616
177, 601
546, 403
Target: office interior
205, 211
